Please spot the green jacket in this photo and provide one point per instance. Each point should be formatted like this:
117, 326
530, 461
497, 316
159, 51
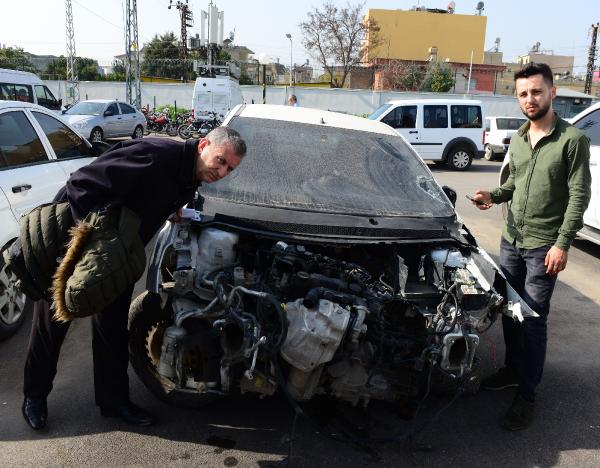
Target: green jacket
549, 187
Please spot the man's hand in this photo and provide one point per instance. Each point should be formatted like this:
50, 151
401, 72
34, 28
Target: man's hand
482, 200
556, 260
176, 217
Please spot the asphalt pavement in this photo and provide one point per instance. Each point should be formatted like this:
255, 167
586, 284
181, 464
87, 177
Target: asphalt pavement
249, 432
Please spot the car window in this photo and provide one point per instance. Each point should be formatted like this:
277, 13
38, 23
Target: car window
19, 143
590, 125
435, 116
65, 142
126, 109
402, 117
45, 97
465, 116
113, 108
16, 92
86, 108
510, 124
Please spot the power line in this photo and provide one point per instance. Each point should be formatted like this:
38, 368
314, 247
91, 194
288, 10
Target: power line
99, 16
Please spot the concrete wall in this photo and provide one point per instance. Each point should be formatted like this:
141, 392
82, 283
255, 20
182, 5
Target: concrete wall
351, 101
408, 35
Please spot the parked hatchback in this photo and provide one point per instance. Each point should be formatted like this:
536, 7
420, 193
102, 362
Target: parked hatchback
441, 130
101, 119
498, 132
38, 152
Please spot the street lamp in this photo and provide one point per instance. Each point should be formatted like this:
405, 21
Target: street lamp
289, 36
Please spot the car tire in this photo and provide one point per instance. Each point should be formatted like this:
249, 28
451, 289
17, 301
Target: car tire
96, 134
13, 303
488, 154
138, 133
459, 158
147, 319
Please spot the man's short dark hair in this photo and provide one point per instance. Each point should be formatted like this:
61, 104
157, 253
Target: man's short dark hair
225, 136
533, 68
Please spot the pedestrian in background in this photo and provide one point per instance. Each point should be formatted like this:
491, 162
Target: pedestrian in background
549, 190
293, 101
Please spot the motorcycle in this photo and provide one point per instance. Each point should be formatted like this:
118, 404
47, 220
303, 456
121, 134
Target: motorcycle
160, 123
233, 312
200, 127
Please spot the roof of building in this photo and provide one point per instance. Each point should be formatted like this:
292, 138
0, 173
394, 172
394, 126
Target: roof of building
566, 92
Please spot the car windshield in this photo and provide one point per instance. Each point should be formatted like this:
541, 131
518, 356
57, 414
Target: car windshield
379, 111
86, 108
315, 168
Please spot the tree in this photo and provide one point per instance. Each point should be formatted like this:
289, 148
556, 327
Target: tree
245, 79
161, 57
335, 37
118, 72
87, 68
439, 79
16, 58
402, 76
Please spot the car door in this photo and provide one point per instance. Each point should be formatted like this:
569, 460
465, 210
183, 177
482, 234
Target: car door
433, 131
404, 120
70, 150
590, 125
113, 124
130, 119
28, 177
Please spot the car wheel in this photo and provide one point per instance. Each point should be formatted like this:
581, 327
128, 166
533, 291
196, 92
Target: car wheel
459, 158
138, 132
12, 303
147, 323
96, 134
488, 154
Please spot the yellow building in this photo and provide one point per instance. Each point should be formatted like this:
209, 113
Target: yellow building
409, 35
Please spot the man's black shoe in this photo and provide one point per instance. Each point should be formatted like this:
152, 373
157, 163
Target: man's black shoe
519, 415
129, 413
504, 378
35, 412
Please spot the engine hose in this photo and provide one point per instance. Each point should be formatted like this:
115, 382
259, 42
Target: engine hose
311, 300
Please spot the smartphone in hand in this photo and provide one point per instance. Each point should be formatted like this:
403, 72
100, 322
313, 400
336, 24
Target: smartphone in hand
478, 202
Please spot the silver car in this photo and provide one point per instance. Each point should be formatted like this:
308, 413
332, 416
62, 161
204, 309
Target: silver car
100, 119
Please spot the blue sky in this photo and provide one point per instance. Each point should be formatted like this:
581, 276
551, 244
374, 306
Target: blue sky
261, 25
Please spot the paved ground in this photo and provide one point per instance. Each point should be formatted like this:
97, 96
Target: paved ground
251, 432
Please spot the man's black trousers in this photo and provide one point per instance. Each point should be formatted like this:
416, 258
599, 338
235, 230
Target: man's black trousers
109, 347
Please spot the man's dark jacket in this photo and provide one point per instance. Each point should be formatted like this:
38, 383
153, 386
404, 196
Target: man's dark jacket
153, 177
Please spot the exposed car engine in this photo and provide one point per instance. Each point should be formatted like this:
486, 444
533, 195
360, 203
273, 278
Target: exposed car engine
354, 322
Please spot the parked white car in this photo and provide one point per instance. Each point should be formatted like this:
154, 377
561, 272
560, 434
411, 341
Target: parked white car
38, 152
441, 130
101, 119
498, 132
23, 86
588, 121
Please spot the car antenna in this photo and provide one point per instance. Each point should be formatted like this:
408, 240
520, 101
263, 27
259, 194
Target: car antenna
322, 121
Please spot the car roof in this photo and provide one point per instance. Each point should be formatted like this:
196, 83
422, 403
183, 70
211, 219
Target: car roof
313, 116
435, 101
20, 105
100, 101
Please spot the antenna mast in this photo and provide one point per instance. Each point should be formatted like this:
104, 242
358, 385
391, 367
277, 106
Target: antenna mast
72, 79
587, 89
133, 88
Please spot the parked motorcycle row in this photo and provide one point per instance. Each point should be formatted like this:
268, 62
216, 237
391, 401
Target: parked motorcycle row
185, 124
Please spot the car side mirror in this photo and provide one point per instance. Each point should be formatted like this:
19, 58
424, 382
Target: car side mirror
108, 113
450, 193
99, 147
63, 111
59, 103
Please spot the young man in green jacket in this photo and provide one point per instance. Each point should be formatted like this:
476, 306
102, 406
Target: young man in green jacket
549, 190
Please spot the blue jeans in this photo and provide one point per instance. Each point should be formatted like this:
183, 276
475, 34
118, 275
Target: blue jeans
526, 341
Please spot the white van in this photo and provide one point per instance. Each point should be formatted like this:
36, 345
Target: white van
442, 130
218, 95
498, 132
26, 87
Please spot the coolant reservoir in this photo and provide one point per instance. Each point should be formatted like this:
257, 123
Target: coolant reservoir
216, 248
450, 258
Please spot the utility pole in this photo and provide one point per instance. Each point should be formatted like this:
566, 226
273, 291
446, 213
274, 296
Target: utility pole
187, 21
587, 89
133, 90
72, 79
